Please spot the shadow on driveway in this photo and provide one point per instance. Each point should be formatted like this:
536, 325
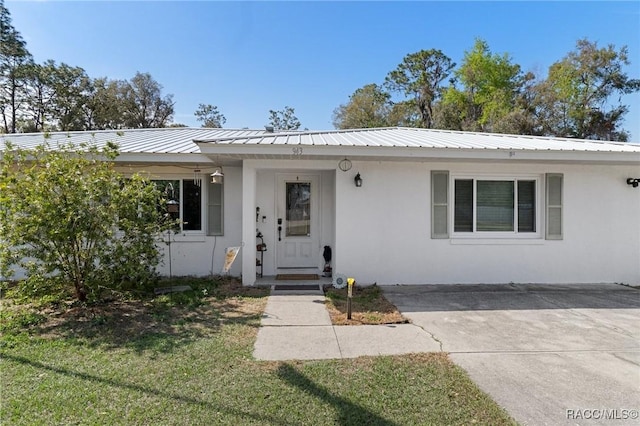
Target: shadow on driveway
478, 297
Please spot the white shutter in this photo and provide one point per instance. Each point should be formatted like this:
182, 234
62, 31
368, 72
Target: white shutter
439, 204
554, 197
215, 209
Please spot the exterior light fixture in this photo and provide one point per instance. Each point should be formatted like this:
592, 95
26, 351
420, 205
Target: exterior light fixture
345, 165
217, 175
358, 180
633, 182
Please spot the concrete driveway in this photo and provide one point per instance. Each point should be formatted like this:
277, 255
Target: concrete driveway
548, 354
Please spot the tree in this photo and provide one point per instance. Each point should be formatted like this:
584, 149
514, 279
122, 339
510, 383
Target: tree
284, 120
143, 103
419, 76
210, 116
105, 107
14, 61
69, 219
56, 97
38, 108
369, 106
576, 98
72, 90
490, 85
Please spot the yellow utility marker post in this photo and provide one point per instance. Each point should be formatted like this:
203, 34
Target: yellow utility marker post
350, 282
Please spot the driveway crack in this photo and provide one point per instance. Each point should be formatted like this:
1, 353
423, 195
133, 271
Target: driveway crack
430, 334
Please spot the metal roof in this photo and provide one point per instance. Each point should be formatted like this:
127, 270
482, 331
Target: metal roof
196, 144
400, 137
170, 140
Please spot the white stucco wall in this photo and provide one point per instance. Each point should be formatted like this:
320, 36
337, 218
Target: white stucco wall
381, 232
192, 252
383, 229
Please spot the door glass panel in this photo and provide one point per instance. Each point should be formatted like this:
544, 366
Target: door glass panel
298, 209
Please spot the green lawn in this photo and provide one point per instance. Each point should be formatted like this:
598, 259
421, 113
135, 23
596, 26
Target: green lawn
186, 360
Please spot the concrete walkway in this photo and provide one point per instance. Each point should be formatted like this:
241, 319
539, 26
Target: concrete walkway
296, 326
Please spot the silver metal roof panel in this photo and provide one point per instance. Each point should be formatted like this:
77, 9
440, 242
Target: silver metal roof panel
189, 140
171, 140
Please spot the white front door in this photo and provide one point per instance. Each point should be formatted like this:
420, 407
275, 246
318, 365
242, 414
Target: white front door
297, 225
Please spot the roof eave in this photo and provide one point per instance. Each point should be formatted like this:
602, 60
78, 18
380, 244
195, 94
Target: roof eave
415, 153
170, 158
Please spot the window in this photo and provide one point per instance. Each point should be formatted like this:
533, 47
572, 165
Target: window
184, 201
495, 205
192, 206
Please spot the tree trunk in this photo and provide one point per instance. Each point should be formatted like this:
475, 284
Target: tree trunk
81, 291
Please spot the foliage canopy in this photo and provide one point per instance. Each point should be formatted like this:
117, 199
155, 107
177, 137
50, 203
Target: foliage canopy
284, 119
70, 220
580, 96
210, 116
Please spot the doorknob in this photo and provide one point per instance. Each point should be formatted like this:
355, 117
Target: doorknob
279, 229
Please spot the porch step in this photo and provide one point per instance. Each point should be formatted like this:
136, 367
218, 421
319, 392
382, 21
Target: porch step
295, 287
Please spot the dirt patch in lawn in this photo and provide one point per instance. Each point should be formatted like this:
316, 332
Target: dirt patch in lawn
368, 307
152, 321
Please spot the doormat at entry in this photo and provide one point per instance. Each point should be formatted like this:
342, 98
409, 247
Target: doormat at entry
296, 277
294, 287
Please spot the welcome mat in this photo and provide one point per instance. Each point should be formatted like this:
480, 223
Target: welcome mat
296, 277
291, 287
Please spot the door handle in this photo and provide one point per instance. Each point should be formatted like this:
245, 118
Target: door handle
279, 229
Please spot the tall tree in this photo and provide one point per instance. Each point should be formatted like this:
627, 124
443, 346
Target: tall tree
369, 106
56, 97
105, 106
72, 87
284, 119
576, 98
210, 116
15, 59
38, 108
144, 105
419, 77
490, 84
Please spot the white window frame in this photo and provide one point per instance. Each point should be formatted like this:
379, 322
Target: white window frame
539, 222
203, 203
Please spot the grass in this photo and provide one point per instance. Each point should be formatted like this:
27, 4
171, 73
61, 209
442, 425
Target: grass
185, 359
368, 306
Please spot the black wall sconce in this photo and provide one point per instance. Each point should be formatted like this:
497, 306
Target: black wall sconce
358, 180
633, 182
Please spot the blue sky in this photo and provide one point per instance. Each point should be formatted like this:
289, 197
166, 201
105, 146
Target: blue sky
250, 57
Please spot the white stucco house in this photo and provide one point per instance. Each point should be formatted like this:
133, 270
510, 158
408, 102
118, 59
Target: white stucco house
431, 206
